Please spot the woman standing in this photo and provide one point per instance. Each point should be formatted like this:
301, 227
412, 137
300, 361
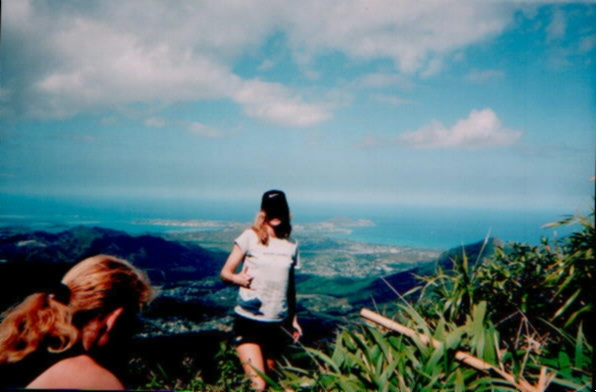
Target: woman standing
266, 306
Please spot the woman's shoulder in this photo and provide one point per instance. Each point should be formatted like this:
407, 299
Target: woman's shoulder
248, 233
18, 374
287, 244
79, 372
247, 240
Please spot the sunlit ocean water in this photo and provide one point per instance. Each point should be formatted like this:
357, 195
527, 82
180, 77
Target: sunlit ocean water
439, 228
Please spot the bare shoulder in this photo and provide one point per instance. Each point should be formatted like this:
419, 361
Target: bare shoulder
80, 372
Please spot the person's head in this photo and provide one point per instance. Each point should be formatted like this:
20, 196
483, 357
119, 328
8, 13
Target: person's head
94, 297
275, 213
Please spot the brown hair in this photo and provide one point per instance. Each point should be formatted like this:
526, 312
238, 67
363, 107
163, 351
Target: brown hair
282, 231
98, 285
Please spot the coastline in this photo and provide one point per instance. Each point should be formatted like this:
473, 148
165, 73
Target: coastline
419, 227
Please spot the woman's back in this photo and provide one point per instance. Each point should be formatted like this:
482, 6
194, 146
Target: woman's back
80, 372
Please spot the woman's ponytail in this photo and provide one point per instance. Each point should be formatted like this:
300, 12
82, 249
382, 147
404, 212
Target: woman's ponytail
260, 229
41, 321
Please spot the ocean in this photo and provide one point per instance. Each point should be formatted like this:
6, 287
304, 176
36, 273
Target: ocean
432, 227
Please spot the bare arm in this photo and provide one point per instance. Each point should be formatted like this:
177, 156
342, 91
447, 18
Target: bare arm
292, 294
292, 306
228, 273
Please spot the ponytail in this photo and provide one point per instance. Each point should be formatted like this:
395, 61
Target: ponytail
260, 229
39, 322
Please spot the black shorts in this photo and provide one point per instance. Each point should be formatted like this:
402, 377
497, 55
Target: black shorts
271, 336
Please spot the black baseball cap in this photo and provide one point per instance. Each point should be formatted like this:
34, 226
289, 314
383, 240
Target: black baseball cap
275, 205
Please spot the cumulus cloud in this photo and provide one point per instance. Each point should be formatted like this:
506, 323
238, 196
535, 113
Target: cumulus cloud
61, 59
272, 103
415, 35
99, 56
482, 129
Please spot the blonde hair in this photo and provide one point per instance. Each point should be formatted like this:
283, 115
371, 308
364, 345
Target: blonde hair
98, 285
260, 228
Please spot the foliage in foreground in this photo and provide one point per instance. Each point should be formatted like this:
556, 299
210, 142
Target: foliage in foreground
522, 312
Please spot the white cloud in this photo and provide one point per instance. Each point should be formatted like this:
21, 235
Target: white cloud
483, 76
371, 141
433, 67
203, 130
391, 99
266, 65
64, 58
557, 27
587, 44
104, 62
482, 129
415, 35
272, 103
384, 79
155, 122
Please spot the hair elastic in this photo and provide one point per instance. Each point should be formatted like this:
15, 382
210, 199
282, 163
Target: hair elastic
61, 293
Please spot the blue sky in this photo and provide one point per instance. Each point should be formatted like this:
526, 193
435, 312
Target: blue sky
480, 104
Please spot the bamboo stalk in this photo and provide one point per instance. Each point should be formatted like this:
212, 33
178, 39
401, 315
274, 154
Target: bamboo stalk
462, 356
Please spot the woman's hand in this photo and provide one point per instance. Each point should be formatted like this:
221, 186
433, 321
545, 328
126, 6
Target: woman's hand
243, 279
297, 332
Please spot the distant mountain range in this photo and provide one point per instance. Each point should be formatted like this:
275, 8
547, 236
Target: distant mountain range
164, 260
35, 260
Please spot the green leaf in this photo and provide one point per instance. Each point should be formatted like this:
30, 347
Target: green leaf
567, 304
433, 362
570, 385
575, 315
318, 354
268, 380
389, 371
338, 356
579, 361
490, 349
564, 363
380, 342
